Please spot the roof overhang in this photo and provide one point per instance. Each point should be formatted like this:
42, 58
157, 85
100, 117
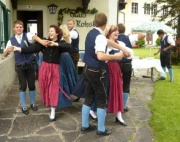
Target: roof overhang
122, 4
84, 3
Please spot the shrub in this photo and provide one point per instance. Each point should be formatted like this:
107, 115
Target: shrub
140, 43
158, 40
175, 55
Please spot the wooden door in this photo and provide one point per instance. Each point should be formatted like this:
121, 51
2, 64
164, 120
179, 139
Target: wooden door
32, 18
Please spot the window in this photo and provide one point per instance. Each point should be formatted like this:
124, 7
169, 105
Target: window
147, 9
1, 27
153, 9
165, 11
134, 8
8, 24
5, 26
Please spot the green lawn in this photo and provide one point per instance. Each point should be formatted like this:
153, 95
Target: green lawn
165, 105
145, 52
166, 109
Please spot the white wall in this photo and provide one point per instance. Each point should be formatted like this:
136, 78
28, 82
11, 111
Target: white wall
7, 74
107, 6
7, 65
133, 20
112, 14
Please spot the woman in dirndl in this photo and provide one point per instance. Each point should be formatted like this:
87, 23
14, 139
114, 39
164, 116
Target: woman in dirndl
66, 63
52, 93
115, 91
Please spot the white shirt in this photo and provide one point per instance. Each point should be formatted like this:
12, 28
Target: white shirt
170, 40
73, 33
133, 38
19, 37
100, 42
112, 48
124, 46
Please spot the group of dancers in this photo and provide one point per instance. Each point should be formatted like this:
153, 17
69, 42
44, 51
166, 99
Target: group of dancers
102, 83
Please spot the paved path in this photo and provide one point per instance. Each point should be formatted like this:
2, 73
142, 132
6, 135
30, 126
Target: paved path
16, 127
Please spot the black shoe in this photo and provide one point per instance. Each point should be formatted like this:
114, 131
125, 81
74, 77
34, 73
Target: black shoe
105, 133
34, 107
51, 120
122, 123
25, 110
88, 129
93, 117
126, 109
77, 99
162, 78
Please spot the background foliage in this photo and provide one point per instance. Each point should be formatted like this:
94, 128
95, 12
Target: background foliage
78, 10
173, 20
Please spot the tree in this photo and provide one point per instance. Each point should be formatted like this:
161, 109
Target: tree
170, 11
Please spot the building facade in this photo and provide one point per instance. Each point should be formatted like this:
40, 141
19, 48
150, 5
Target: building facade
37, 17
136, 12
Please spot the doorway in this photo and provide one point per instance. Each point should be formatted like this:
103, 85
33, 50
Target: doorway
33, 21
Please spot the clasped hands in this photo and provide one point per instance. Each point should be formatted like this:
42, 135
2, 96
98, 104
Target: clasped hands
43, 42
128, 53
49, 43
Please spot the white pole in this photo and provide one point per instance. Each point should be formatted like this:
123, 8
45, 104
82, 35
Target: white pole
149, 51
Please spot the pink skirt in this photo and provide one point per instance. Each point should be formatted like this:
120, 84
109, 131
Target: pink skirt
115, 102
49, 80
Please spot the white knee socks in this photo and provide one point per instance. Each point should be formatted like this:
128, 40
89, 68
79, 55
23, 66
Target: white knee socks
53, 109
93, 114
119, 116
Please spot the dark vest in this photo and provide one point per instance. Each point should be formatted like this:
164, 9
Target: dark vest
75, 44
22, 59
90, 58
127, 42
164, 44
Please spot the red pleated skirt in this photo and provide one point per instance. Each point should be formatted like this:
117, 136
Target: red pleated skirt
115, 102
49, 80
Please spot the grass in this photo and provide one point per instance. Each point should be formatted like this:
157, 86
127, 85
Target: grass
145, 52
166, 110
165, 106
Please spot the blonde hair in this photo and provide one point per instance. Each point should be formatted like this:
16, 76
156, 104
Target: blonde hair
109, 29
72, 21
65, 31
